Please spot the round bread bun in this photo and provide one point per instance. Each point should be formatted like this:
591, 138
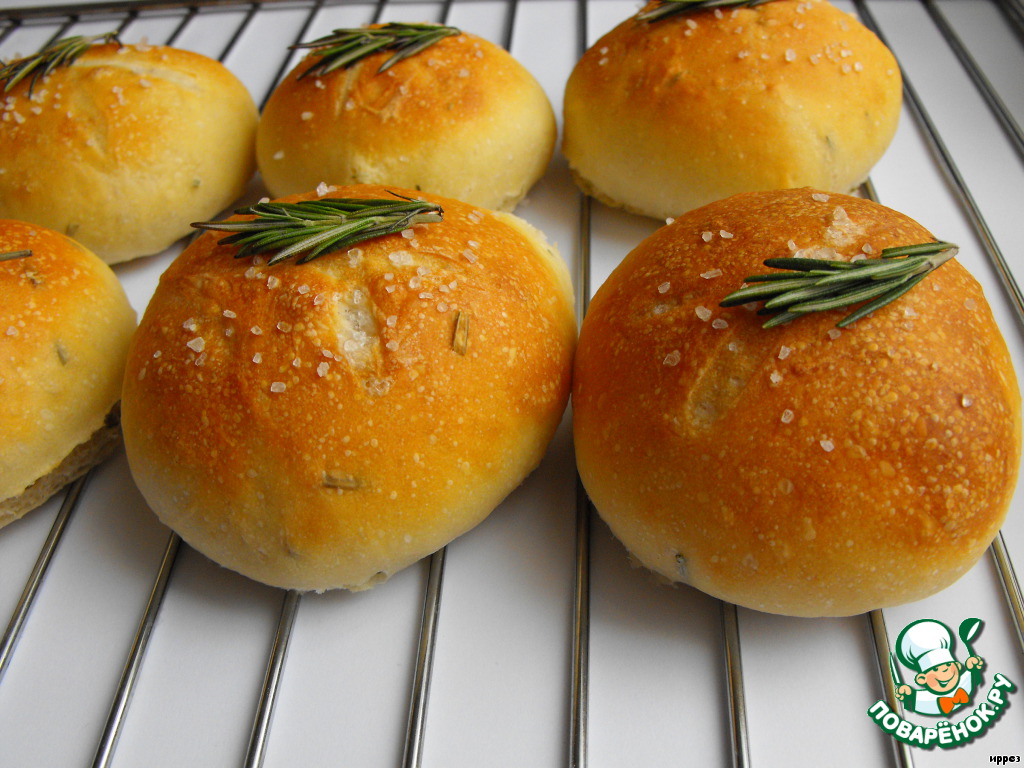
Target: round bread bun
323, 425
462, 119
801, 469
125, 147
664, 116
65, 323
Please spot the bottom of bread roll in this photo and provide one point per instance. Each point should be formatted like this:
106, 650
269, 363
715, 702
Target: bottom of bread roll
82, 458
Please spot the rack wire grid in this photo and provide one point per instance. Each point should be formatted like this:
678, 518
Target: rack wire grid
530, 641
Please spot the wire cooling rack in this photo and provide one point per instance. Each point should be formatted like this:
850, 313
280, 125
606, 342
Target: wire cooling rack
530, 641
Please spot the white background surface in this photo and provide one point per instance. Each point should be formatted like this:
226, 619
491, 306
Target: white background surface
500, 693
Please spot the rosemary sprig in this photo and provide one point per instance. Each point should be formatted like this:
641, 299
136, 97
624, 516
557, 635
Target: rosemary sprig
316, 227
58, 54
674, 7
10, 255
817, 285
344, 47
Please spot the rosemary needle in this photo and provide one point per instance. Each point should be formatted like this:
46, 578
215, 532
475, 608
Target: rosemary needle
818, 285
315, 227
674, 7
60, 53
9, 255
344, 47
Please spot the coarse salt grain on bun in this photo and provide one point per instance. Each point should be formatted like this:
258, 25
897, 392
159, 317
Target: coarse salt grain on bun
323, 425
127, 146
462, 119
65, 323
664, 116
799, 470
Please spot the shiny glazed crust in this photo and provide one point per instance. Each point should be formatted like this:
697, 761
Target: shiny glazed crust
663, 117
126, 147
798, 470
462, 119
315, 426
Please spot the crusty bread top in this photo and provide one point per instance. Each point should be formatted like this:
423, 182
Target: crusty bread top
65, 323
126, 146
661, 117
323, 425
800, 469
462, 119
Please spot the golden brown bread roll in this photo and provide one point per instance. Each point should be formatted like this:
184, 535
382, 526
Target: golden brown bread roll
326, 424
801, 469
65, 323
125, 147
462, 119
664, 116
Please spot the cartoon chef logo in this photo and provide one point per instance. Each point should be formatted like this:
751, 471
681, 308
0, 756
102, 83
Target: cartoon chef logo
942, 685
946, 684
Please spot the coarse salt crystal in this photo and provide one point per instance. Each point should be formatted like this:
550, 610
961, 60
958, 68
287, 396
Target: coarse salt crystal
256, 330
784, 352
787, 416
392, 345
470, 256
297, 363
307, 115
791, 245
966, 401
400, 258
190, 324
790, 54
672, 358
821, 198
775, 377
706, 236
284, 327
321, 370
273, 282
868, 248
318, 300
724, 234
257, 358
970, 304
392, 321
278, 386
703, 313
827, 445
442, 307
303, 289
711, 274
228, 313
323, 189
718, 324
664, 287
197, 344
834, 333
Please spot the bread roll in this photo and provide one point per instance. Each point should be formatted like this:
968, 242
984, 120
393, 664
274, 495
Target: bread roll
125, 147
799, 470
461, 119
65, 323
326, 424
664, 116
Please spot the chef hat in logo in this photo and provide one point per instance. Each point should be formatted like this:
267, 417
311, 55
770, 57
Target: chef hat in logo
924, 644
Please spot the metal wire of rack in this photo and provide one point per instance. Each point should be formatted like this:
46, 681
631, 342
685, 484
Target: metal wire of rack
126, 648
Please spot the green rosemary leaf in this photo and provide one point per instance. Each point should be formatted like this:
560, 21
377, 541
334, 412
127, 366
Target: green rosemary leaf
312, 228
881, 301
11, 255
818, 285
674, 7
344, 47
761, 290
60, 53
